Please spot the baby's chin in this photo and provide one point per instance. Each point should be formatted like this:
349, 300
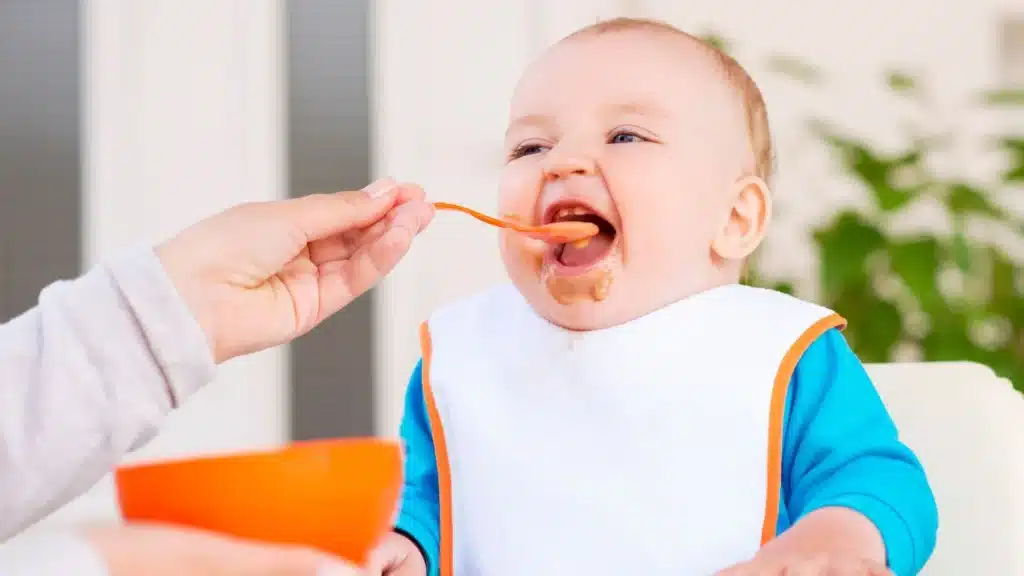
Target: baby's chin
600, 297
581, 316
591, 301
588, 315
597, 300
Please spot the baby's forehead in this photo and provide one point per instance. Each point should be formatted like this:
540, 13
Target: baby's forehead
670, 68
585, 83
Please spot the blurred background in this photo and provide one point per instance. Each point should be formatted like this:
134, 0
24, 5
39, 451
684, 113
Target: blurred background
900, 190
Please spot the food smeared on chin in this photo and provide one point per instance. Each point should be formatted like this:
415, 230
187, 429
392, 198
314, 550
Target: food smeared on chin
590, 287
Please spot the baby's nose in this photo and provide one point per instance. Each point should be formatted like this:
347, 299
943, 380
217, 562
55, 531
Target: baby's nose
562, 165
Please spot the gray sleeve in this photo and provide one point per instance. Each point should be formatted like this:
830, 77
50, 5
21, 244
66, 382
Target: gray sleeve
88, 375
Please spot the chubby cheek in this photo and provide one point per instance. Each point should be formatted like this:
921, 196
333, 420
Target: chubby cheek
521, 259
667, 235
517, 197
519, 189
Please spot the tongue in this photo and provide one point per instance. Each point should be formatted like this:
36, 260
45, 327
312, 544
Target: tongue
586, 255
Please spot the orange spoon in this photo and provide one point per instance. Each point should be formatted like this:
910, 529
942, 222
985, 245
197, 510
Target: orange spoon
555, 233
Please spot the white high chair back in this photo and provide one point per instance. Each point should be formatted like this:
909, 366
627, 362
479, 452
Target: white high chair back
967, 427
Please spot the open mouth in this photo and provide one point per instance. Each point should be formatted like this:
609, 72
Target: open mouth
585, 253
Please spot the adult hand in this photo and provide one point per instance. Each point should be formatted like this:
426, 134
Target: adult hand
261, 274
168, 551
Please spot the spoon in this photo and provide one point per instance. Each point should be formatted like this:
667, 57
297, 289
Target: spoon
565, 232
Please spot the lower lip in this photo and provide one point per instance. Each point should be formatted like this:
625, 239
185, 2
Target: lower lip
559, 269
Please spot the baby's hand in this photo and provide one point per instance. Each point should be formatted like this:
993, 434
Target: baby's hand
396, 556
815, 565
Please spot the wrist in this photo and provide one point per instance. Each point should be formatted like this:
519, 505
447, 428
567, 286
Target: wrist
188, 280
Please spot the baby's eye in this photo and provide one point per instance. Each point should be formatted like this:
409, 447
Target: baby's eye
526, 150
622, 137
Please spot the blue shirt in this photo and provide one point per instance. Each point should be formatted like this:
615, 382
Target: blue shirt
840, 448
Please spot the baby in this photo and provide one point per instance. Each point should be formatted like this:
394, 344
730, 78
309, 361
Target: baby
626, 406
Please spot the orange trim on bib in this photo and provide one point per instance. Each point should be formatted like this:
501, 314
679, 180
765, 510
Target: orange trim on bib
444, 473
776, 415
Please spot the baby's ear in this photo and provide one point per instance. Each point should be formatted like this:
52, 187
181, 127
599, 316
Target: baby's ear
747, 221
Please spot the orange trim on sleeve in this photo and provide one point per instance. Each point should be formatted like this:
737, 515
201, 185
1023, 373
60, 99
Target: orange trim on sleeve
776, 414
444, 474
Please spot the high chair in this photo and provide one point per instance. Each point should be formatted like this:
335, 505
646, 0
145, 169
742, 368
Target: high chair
967, 426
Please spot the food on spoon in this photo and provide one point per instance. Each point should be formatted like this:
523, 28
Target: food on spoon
566, 232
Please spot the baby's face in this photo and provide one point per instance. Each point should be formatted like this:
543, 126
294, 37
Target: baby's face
639, 133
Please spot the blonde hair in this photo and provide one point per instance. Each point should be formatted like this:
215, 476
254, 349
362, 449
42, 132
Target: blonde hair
735, 75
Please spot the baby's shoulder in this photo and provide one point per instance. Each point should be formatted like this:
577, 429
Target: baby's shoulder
767, 297
765, 307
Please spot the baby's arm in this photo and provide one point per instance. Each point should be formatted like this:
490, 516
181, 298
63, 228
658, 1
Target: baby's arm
419, 518
849, 485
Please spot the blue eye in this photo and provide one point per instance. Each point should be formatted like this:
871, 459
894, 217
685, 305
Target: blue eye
526, 150
625, 138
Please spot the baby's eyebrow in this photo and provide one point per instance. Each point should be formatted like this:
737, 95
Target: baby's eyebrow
637, 109
629, 108
536, 120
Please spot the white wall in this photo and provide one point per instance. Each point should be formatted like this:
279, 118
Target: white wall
183, 117
446, 68
443, 73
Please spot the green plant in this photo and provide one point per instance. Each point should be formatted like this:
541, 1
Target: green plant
946, 295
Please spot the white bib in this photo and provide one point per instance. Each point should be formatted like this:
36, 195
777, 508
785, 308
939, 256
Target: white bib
651, 448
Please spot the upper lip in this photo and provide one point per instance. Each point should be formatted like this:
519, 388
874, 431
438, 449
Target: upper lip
548, 216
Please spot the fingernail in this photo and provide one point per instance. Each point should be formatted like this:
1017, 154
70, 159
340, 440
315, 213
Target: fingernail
380, 188
382, 191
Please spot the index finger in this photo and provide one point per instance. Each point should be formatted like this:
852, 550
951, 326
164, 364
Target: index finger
408, 192
322, 215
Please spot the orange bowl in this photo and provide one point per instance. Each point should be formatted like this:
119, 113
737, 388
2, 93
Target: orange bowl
339, 496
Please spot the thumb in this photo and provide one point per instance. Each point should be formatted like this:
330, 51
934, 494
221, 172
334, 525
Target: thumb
323, 215
342, 281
